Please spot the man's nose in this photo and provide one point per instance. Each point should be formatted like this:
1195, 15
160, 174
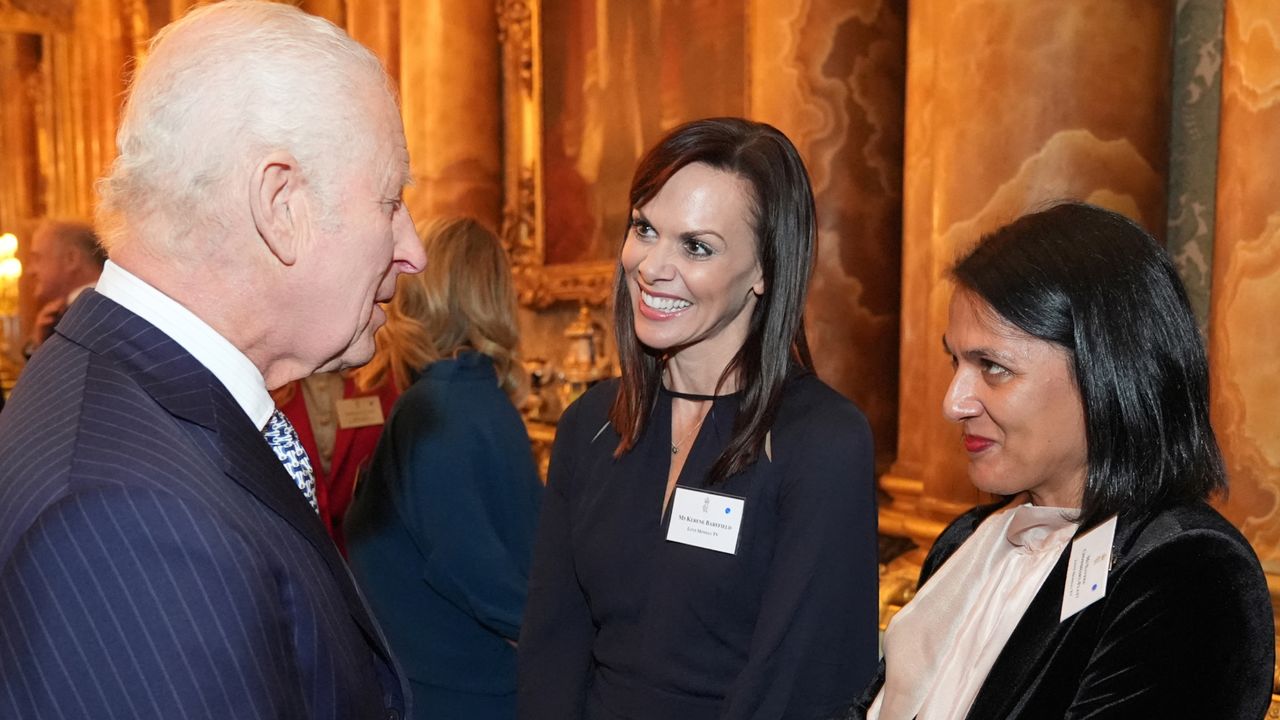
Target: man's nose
408, 245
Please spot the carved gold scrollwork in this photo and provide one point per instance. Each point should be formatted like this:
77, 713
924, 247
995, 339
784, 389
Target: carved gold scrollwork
518, 218
515, 33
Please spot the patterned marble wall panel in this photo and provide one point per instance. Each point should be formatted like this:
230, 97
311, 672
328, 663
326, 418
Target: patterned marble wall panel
1244, 340
449, 92
1193, 147
1011, 104
831, 74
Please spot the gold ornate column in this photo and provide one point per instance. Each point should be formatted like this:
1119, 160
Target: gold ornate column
830, 76
18, 68
376, 25
450, 94
64, 65
1244, 339
332, 10
1010, 104
89, 71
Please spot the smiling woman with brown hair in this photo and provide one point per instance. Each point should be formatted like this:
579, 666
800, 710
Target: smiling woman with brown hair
707, 545
1103, 586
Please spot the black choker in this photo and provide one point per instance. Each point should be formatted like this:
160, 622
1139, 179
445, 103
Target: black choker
689, 396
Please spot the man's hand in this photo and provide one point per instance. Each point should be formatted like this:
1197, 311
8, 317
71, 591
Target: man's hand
42, 328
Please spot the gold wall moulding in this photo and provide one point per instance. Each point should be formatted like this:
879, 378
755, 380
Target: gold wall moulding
541, 280
587, 86
539, 287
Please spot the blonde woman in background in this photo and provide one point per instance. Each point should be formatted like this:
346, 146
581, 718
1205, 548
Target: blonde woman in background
440, 533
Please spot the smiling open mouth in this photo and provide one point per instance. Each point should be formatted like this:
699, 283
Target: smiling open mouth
663, 304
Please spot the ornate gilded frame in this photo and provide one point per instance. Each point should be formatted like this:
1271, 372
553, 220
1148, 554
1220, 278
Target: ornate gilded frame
538, 283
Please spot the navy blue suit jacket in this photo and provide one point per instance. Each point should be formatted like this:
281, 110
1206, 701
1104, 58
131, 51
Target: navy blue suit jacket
156, 560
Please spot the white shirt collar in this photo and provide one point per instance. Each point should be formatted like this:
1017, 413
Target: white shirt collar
71, 296
232, 368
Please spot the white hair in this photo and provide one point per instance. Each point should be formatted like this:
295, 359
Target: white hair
222, 87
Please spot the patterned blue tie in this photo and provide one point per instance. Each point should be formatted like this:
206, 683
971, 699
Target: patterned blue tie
284, 441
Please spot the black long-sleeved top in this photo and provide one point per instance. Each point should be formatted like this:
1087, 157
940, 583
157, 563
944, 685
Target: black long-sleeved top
621, 623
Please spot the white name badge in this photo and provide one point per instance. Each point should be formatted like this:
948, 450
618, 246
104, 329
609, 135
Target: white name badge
359, 412
706, 520
1087, 569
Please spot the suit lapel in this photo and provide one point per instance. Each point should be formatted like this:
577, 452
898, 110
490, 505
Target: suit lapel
249, 461
167, 372
188, 390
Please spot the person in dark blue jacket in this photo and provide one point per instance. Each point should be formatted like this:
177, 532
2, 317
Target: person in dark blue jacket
440, 532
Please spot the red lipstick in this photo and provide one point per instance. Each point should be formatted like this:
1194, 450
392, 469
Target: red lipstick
977, 443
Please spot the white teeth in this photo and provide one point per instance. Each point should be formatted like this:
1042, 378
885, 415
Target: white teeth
663, 304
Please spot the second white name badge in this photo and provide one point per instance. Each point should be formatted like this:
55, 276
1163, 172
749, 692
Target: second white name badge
706, 520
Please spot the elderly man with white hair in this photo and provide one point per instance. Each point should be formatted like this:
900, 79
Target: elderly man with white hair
160, 552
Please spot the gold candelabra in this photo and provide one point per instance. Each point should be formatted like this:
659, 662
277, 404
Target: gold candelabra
10, 271
584, 361
556, 384
10, 342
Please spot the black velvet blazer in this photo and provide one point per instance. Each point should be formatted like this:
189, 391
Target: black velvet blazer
1185, 630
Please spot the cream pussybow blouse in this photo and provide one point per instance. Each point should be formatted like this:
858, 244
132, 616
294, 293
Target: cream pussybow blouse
940, 647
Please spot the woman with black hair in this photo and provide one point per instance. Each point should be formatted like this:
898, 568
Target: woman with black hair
1103, 586
707, 547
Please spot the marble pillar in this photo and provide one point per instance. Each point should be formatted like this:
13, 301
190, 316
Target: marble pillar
1244, 338
1010, 105
450, 68
830, 74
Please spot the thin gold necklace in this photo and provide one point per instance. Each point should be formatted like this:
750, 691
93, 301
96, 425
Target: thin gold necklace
675, 447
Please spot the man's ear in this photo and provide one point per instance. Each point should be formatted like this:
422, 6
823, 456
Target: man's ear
276, 204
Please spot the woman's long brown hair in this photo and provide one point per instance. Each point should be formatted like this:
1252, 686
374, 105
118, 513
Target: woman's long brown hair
786, 235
